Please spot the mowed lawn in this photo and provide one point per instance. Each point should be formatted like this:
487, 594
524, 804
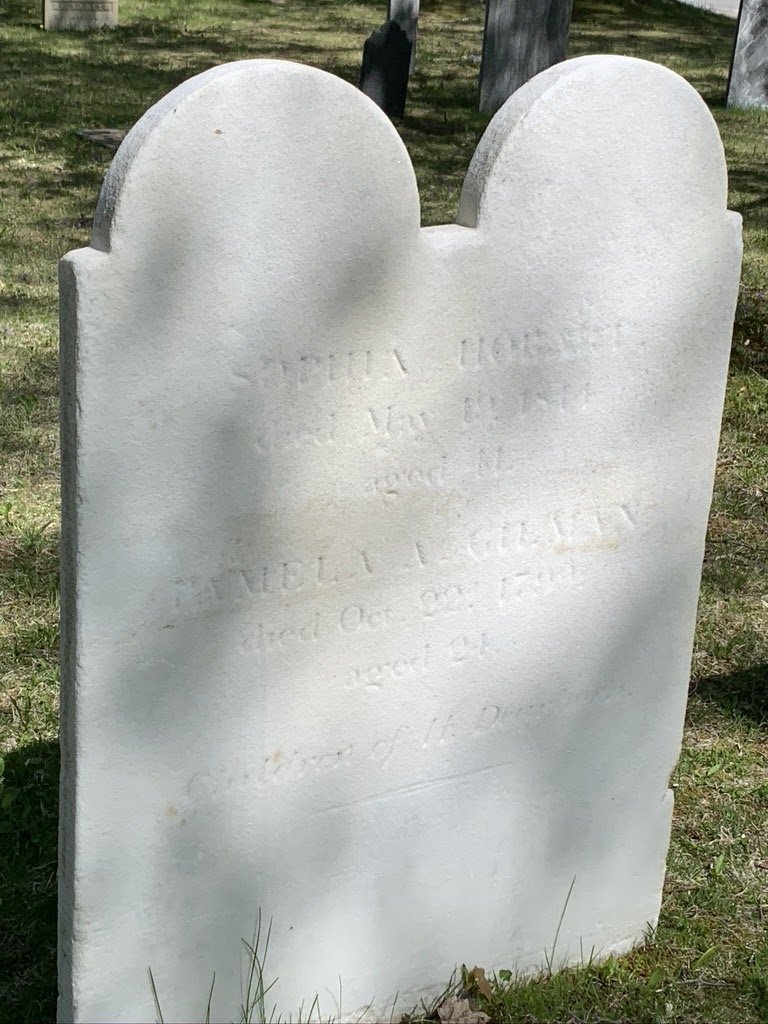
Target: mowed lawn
708, 960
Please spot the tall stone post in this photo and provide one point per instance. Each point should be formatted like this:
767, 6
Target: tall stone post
748, 80
522, 38
406, 14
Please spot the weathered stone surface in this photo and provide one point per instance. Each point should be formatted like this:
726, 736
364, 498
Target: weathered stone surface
82, 15
381, 545
728, 7
748, 81
110, 138
406, 14
386, 63
521, 39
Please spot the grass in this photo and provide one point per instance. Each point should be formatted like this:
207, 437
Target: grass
708, 961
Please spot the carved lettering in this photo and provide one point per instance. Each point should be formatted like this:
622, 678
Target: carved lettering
374, 677
313, 369
394, 423
538, 346
357, 616
296, 766
472, 646
320, 434
268, 636
383, 749
435, 601
276, 579
483, 408
394, 483
521, 582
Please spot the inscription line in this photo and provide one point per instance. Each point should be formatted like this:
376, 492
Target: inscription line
416, 787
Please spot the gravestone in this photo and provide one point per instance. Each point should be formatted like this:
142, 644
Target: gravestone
386, 63
730, 8
82, 15
521, 39
406, 14
748, 79
381, 545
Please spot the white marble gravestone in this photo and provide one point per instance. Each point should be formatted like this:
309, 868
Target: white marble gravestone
381, 545
83, 15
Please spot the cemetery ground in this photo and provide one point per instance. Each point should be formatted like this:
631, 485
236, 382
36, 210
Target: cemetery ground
708, 960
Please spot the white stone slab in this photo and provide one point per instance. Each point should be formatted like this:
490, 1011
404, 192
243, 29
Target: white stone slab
381, 545
83, 15
728, 7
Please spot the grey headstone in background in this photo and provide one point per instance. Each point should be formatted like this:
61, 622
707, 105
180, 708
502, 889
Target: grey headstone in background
83, 15
110, 138
406, 14
748, 81
522, 38
386, 63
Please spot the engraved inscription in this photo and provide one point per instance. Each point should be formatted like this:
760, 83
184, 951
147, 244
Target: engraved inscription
357, 617
521, 582
562, 532
561, 399
312, 369
296, 766
468, 725
390, 485
537, 346
436, 601
469, 646
373, 677
268, 636
394, 423
558, 532
288, 577
321, 433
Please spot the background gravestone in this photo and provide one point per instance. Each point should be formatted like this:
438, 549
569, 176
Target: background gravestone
381, 546
521, 39
79, 14
748, 80
406, 14
385, 69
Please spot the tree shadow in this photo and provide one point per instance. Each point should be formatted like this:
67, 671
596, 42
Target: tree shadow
29, 794
28, 851
742, 694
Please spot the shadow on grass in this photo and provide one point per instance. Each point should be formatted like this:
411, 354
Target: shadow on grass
29, 794
743, 694
750, 329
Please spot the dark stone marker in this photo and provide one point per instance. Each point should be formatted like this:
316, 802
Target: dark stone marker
386, 62
406, 14
522, 38
748, 80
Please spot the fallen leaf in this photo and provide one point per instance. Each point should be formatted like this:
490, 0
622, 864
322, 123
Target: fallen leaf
481, 983
458, 1011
